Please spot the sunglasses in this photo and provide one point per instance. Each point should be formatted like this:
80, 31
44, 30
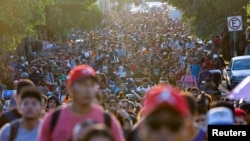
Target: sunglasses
157, 124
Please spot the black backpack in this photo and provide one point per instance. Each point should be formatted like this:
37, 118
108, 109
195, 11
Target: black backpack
56, 114
14, 126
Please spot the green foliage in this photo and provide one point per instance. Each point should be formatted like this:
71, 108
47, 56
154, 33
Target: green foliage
209, 17
18, 18
25, 18
65, 15
248, 13
91, 18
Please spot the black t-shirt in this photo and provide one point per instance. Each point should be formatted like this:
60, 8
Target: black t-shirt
9, 116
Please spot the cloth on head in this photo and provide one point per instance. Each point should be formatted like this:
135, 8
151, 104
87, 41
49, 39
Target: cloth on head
164, 96
81, 72
220, 116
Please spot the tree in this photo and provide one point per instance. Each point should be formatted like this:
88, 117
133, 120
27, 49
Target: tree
122, 3
91, 18
248, 12
208, 18
18, 19
65, 15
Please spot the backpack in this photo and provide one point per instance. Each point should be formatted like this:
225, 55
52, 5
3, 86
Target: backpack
56, 114
14, 130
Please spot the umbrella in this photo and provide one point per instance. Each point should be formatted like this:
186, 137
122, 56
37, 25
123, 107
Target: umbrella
241, 91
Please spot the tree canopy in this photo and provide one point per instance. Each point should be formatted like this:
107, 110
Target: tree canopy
66, 14
248, 13
25, 18
209, 17
91, 18
18, 18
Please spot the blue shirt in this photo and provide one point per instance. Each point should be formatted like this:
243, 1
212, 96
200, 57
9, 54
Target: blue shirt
195, 69
115, 89
200, 136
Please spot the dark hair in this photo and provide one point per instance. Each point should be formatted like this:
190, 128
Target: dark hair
31, 92
98, 130
246, 107
222, 104
191, 103
103, 76
189, 89
130, 103
53, 97
111, 97
23, 83
125, 101
195, 89
206, 96
208, 80
63, 88
201, 109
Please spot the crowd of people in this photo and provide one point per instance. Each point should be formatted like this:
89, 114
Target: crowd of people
137, 77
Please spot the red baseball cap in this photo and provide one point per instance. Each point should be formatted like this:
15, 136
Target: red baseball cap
81, 72
164, 96
240, 112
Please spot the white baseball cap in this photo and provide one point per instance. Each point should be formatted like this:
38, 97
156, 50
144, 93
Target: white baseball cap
220, 116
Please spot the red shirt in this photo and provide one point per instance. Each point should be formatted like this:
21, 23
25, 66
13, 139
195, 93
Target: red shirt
67, 121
